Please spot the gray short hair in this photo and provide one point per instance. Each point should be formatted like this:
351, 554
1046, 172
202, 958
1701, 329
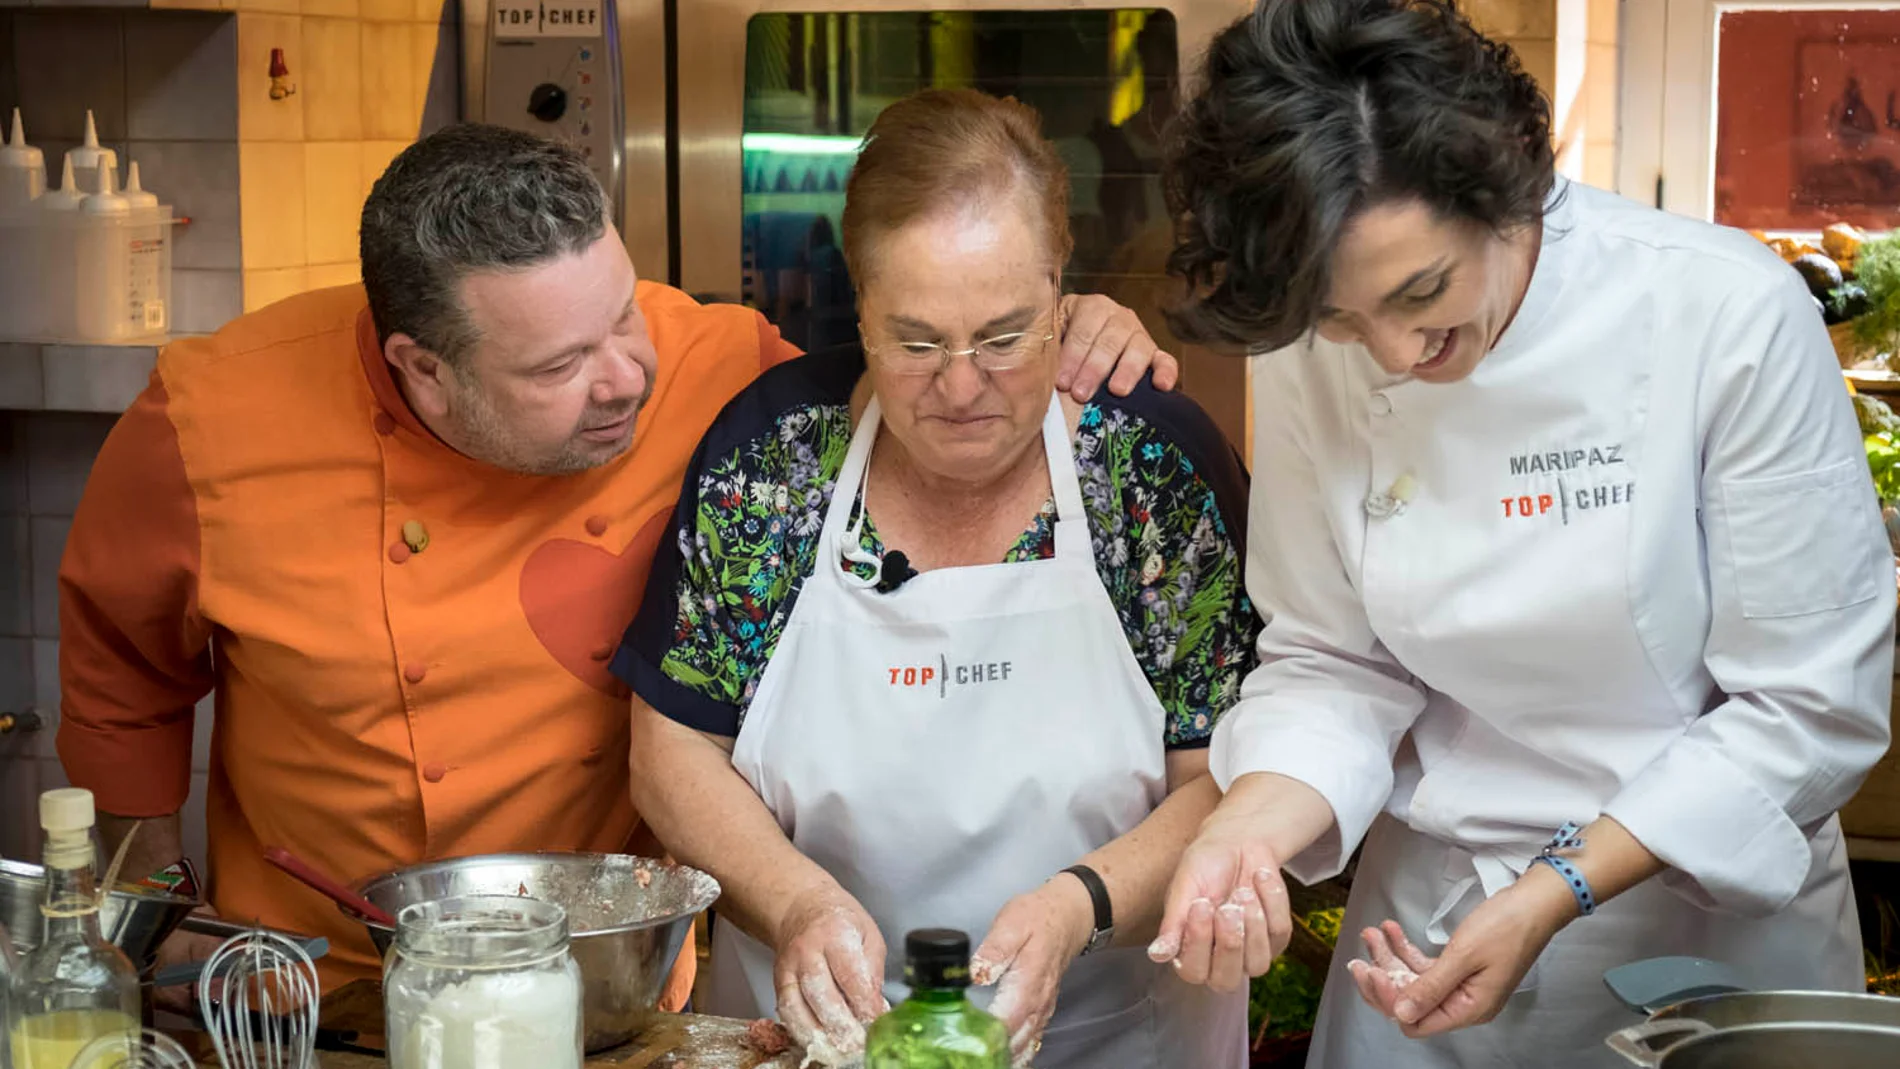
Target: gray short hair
467, 198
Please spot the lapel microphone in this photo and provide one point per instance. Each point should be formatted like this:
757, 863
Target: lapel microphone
894, 572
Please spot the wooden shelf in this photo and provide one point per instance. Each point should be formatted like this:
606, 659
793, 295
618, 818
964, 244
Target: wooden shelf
58, 377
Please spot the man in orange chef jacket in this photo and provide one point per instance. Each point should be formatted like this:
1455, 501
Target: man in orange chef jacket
399, 528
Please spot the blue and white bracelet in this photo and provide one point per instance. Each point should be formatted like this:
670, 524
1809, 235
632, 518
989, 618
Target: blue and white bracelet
1567, 838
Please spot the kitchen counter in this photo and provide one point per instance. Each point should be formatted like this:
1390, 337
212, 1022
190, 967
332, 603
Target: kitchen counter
679, 1041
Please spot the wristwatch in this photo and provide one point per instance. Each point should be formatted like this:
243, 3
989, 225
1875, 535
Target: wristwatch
1104, 932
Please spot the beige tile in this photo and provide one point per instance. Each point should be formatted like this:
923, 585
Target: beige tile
332, 84
271, 195
1513, 18
280, 7
344, 9
388, 10
424, 52
1599, 164
187, 5
391, 108
268, 287
1599, 90
433, 11
323, 276
259, 117
377, 155
1603, 22
1539, 57
333, 202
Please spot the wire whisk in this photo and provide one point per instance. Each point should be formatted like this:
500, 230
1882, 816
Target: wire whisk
144, 1049
260, 1000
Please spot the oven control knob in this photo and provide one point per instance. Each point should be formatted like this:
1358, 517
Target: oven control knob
547, 102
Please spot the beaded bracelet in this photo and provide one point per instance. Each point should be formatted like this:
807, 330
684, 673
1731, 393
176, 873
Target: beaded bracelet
1568, 839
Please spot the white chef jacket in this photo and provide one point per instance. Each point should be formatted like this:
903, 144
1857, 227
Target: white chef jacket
1641, 572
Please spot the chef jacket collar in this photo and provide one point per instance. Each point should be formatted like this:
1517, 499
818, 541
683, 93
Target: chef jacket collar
382, 383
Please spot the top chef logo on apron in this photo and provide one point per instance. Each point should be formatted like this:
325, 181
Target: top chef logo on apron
943, 675
1566, 466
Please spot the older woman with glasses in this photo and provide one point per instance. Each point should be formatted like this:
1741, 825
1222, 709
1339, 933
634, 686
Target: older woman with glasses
938, 646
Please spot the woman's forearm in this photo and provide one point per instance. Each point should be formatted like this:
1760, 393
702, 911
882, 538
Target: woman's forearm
1290, 815
709, 817
1137, 866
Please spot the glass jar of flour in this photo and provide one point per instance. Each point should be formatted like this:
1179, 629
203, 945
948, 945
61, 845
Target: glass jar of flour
482, 982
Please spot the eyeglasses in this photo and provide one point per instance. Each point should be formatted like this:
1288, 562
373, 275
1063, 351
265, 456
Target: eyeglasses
1004, 352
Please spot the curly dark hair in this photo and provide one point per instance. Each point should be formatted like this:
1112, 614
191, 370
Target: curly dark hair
1311, 111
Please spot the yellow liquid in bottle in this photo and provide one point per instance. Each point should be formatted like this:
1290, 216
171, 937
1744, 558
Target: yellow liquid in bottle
54, 1040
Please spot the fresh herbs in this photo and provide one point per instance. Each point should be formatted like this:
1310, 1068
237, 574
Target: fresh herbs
1877, 272
1879, 428
1285, 1001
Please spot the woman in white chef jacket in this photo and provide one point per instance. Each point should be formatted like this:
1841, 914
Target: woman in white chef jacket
1010, 741
1560, 518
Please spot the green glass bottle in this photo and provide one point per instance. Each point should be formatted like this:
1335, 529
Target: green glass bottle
937, 1027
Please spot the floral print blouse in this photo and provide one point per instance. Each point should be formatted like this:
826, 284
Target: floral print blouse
1164, 493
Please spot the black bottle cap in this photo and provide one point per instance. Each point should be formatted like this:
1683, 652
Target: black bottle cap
937, 957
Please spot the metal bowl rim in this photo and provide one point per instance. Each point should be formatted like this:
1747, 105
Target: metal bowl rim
361, 887
29, 870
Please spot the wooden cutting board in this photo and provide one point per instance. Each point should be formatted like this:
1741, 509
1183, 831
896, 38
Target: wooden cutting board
677, 1041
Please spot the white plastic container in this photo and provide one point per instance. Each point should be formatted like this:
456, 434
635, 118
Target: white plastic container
98, 268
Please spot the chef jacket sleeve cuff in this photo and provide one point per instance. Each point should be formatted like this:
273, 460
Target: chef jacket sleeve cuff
1731, 846
140, 772
674, 700
1355, 778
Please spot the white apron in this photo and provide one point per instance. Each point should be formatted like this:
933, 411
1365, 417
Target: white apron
949, 745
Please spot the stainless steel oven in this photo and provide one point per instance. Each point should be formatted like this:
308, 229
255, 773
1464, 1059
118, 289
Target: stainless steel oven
774, 94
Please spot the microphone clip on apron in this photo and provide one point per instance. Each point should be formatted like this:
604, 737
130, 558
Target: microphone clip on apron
946, 746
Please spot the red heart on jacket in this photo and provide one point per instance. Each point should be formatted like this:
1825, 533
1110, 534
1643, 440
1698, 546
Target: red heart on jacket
579, 598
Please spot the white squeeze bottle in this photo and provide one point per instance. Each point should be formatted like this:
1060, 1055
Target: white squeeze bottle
89, 159
22, 180
55, 240
147, 299
104, 269
74, 987
22, 169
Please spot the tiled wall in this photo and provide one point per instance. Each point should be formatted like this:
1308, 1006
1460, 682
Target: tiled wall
44, 460
370, 75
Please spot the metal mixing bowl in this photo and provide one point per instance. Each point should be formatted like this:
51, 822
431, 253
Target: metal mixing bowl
137, 921
625, 934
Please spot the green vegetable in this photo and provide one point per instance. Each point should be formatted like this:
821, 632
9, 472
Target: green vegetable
1883, 462
1285, 1001
1878, 271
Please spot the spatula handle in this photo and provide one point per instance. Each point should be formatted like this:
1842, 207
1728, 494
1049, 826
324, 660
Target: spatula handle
310, 877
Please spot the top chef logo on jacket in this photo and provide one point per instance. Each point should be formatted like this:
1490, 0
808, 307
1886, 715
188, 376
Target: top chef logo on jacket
1568, 498
943, 675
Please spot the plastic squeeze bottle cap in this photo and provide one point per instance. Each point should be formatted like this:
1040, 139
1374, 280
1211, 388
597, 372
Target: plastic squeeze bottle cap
90, 156
22, 168
67, 197
106, 202
135, 194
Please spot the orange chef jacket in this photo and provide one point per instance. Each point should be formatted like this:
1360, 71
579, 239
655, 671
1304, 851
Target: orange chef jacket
243, 532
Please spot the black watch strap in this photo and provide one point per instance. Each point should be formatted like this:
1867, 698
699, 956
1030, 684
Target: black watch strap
1098, 895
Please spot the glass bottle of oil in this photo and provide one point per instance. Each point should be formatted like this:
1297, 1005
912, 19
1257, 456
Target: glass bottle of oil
74, 987
937, 1027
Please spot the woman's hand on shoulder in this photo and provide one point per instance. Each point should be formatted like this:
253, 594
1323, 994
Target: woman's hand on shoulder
829, 970
1104, 341
1227, 914
1029, 947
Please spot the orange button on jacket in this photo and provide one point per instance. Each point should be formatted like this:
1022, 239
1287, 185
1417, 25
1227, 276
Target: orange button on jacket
408, 647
